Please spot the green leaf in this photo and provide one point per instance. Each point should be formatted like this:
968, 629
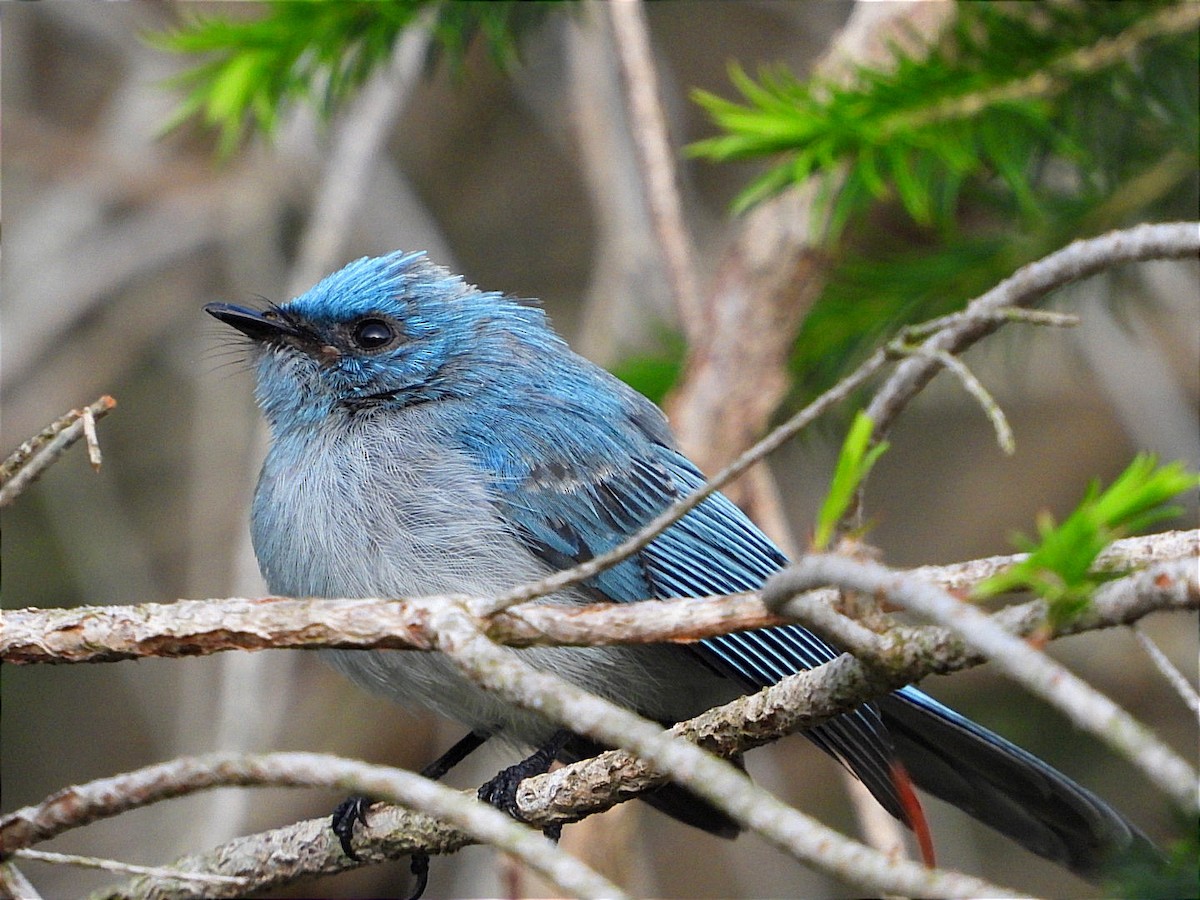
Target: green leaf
1009, 86
318, 52
1060, 562
853, 465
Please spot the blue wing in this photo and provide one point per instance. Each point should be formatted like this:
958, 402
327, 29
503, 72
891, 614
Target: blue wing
569, 502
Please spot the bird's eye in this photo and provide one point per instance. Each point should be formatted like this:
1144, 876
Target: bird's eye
372, 334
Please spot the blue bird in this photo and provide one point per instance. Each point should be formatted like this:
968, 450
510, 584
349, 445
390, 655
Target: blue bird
429, 437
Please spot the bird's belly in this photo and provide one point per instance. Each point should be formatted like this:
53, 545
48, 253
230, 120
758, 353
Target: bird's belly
423, 525
663, 683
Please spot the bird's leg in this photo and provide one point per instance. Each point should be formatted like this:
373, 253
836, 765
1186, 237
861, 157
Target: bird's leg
501, 791
354, 809
471, 742
419, 862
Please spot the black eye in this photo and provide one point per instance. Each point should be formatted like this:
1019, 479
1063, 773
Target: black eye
371, 334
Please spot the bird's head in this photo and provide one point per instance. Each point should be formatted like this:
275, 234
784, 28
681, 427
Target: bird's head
384, 332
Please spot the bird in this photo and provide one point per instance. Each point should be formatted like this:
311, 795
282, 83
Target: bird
432, 438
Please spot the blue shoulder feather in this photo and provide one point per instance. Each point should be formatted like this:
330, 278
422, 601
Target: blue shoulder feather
579, 482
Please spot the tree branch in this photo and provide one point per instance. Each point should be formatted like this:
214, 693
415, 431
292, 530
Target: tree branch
303, 849
1085, 706
1166, 668
1026, 286
503, 672
123, 868
651, 140
801, 701
203, 627
902, 656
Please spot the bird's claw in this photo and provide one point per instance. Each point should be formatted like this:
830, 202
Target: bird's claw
419, 866
501, 791
354, 809
351, 810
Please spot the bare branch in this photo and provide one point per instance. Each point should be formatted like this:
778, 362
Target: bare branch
1085, 706
123, 868
974, 387
901, 656
1028, 285
203, 627
504, 673
986, 313
476, 820
25, 464
14, 885
1047, 317
801, 701
1174, 677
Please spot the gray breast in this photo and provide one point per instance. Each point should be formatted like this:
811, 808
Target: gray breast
384, 509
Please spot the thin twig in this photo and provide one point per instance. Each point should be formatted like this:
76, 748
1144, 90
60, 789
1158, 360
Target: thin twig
1083, 704
974, 387
25, 464
800, 701
807, 699
1047, 317
1026, 286
1174, 677
482, 822
14, 885
123, 868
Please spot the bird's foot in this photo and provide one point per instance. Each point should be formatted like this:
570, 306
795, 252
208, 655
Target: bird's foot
419, 866
501, 791
349, 811
353, 810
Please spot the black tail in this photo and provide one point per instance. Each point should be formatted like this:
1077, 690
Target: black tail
956, 760
1007, 788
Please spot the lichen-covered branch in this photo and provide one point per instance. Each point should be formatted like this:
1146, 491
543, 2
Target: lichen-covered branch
804, 700
300, 850
203, 627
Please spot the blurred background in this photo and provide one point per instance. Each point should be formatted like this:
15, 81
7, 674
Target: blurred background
521, 179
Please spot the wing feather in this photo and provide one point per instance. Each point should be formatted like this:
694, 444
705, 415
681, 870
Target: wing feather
566, 510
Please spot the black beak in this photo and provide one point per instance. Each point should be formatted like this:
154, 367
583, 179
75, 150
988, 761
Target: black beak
255, 325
